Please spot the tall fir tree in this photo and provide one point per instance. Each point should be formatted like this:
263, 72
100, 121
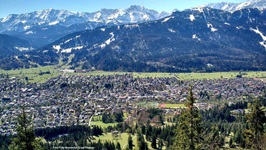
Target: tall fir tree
130, 142
118, 146
255, 129
142, 145
25, 138
189, 128
153, 141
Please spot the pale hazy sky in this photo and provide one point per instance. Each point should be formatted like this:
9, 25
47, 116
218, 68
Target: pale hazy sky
23, 6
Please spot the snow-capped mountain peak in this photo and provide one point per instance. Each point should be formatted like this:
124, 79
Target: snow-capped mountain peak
50, 24
223, 6
231, 7
67, 18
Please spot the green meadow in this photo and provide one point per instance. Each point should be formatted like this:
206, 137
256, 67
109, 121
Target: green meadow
103, 125
172, 105
33, 74
122, 138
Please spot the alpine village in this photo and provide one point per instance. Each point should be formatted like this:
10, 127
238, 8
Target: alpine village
134, 79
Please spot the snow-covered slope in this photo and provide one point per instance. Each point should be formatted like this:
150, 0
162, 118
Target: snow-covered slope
260, 4
52, 17
46, 26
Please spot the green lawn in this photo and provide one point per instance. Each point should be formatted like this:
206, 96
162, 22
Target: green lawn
149, 104
98, 73
121, 138
182, 76
190, 76
33, 73
103, 125
172, 105
153, 75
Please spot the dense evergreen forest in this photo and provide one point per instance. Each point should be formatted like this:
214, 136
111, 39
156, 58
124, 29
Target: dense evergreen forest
192, 129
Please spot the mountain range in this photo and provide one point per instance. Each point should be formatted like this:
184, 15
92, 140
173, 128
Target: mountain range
231, 7
45, 26
200, 39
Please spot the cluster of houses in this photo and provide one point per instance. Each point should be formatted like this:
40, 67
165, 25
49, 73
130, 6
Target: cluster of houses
70, 100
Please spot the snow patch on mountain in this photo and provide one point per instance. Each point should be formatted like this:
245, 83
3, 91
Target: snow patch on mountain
194, 36
57, 47
242, 5
22, 48
23, 21
168, 18
191, 17
108, 41
239, 27
67, 41
226, 23
131, 26
69, 50
209, 25
29, 32
6, 18
53, 23
26, 27
199, 9
263, 43
111, 39
171, 30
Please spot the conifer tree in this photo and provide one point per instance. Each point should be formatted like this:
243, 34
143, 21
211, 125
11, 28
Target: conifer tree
25, 139
142, 145
118, 146
189, 128
153, 141
256, 120
214, 139
130, 143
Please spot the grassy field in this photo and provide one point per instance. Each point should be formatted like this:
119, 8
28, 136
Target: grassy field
98, 73
153, 75
103, 125
147, 104
121, 138
172, 105
214, 75
33, 74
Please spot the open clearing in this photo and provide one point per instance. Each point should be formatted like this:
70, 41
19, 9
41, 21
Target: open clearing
33, 74
172, 105
121, 138
103, 125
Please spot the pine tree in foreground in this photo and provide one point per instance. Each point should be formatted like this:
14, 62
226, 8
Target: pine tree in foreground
256, 120
189, 128
25, 138
130, 142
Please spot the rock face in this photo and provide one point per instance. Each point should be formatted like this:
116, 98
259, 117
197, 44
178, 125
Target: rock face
201, 39
45, 26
